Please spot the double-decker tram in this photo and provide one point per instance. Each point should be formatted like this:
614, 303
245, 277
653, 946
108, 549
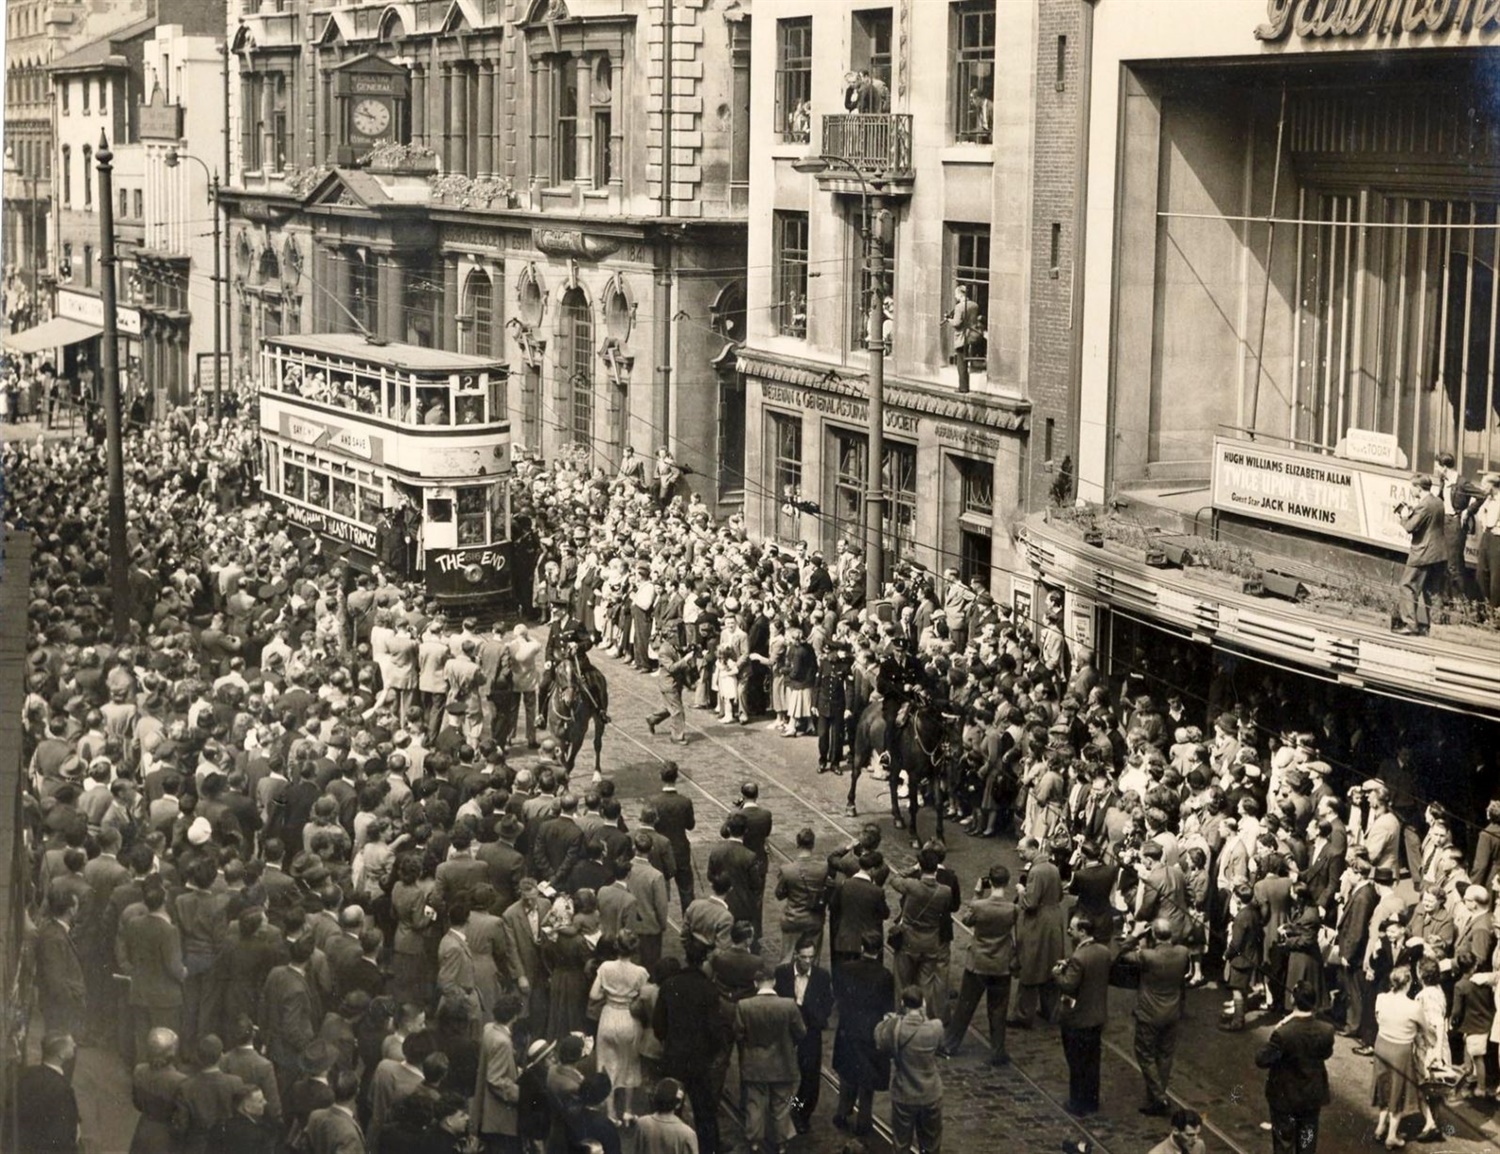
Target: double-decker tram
398, 453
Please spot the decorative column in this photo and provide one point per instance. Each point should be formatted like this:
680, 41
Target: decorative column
320, 276
486, 118
584, 130
418, 104
458, 115
452, 302
445, 101
392, 324
338, 314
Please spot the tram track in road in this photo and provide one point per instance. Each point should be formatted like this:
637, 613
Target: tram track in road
626, 686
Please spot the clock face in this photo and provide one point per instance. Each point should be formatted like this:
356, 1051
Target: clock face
371, 117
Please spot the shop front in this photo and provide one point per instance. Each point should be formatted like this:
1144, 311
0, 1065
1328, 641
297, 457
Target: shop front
950, 472
80, 359
1289, 306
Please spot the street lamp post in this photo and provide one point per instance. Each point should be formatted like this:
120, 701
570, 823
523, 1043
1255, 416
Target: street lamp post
873, 234
174, 158
109, 367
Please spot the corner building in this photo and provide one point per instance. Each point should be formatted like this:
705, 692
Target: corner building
929, 106
558, 184
1288, 307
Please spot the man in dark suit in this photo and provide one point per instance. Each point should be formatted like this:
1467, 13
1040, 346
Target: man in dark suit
206, 1098
1159, 1005
757, 839
865, 992
505, 863
1351, 938
769, 1026
1296, 1075
256, 1071
811, 987
333, 1129
674, 819
1426, 560
461, 872
150, 949
992, 952
43, 1114
686, 1007
290, 1011
857, 908
734, 860
734, 968
59, 971
559, 846
343, 950
1084, 980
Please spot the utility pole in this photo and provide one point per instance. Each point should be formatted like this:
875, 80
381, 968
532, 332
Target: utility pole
109, 364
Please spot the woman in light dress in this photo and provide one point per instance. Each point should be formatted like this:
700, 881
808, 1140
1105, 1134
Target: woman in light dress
617, 987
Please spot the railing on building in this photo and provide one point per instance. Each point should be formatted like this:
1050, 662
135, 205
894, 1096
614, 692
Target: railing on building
877, 143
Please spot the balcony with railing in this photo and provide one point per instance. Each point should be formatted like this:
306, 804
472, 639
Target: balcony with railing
877, 144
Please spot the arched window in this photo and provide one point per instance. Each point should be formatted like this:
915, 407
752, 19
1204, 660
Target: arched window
479, 306
575, 363
269, 270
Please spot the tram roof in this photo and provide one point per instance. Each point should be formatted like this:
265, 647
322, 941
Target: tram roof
409, 358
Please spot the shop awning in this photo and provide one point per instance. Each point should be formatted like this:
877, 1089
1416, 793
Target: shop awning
50, 335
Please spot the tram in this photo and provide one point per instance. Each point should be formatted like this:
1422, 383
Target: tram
396, 454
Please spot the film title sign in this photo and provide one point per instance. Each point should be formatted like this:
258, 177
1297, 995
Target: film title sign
1358, 19
490, 559
834, 405
1320, 494
331, 527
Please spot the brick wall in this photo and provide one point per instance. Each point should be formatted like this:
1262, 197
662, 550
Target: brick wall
1060, 151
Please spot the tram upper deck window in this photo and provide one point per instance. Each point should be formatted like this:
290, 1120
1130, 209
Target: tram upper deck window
470, 408
439, 510
317, 490
294, 481
343, 498
432, 403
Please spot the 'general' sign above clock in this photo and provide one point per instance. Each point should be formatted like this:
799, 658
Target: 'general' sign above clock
372, 95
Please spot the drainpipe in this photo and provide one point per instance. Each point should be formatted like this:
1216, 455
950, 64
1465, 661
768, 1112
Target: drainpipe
227, 352
667, 255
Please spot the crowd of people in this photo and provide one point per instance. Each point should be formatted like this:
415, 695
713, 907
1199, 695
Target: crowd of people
299, 860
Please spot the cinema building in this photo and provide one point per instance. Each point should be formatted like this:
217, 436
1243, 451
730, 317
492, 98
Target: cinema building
1289, 305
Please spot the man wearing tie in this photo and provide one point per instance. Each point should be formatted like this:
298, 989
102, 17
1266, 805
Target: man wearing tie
811, 987
674, 819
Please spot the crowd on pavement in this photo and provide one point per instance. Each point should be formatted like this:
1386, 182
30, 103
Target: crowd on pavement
302, 857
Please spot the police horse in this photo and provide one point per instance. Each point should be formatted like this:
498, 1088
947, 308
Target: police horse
924, 745
579, 699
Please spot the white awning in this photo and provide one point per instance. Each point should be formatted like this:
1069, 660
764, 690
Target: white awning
51, 334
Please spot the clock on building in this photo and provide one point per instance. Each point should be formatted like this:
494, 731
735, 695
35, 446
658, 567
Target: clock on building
369, 119
372, 96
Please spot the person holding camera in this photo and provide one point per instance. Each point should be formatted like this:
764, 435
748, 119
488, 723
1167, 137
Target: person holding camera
1426, 561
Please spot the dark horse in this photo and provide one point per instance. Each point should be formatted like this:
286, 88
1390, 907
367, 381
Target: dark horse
922, 750
580, 697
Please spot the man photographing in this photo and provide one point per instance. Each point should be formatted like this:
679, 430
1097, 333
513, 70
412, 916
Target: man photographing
1426, 562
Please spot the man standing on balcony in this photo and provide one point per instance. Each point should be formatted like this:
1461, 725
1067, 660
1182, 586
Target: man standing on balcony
967, 329
1426, 562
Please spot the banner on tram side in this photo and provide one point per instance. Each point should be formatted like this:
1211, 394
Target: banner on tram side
1332, 496
334, 528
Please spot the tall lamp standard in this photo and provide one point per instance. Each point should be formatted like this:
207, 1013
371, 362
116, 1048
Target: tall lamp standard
29, 183
174, 158
872, 231
109, 366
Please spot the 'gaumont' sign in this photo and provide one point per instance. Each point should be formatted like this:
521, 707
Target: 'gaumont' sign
1306, 491
1312, 19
